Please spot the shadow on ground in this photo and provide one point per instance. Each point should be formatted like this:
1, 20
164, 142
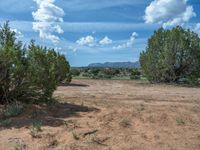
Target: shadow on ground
52, 116
74, 85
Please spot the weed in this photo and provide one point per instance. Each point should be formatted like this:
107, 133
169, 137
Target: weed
75, 136
64, 147
20, 145
125, 123
53, 143
13, 110
196, 108
180, 121
99, 141
72, 124
141, 108
35, 129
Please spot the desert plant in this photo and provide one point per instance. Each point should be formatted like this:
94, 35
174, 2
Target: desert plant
75, 136
180, 121
35, 129
125, 123
13, 109
20, 145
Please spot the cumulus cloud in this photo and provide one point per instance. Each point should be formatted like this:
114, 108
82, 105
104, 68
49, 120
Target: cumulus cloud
169, 12
47, 18
129, 43
105, 41
197, 29
87, 41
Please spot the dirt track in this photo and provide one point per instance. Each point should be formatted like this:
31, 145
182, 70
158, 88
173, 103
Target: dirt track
116, 115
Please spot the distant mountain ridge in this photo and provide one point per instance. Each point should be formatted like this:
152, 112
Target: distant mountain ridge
115, 65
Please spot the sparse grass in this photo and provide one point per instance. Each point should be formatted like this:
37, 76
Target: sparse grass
121, 78
141, 108
72, 124
125, 123
53, 143
180, 121
6, 122
64, 147
196, 108
75, 136
20, 145
100, 141
35, 129
13, 110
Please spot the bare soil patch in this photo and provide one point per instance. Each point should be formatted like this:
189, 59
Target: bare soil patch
104, 115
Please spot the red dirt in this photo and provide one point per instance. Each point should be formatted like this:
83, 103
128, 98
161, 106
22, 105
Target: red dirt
116, 115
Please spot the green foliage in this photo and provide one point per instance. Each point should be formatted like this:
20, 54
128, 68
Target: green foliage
135, 74
12, 67
172, 55
29, 74
75, 72
13, 110
103, 73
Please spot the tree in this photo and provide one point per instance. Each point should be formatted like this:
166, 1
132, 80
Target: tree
171, 55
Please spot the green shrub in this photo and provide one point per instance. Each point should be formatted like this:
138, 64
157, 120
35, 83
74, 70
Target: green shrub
13, 110
75, 72
135, 74
29, 74
172, 55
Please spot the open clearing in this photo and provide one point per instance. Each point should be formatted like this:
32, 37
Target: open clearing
110, 115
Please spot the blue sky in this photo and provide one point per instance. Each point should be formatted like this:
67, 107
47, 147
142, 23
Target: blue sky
89, 31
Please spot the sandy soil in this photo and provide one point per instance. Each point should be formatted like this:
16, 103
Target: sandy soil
110, 115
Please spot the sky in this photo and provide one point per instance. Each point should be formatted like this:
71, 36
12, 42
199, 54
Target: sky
91, 31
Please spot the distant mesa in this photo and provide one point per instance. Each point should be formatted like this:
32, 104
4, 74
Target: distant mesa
115, 65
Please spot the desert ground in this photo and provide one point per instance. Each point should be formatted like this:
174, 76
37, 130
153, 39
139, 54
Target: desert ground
110, 115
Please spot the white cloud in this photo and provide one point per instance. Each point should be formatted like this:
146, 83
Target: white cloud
17, 32
129, 43
87, 41
169, 12
46, 20
105, 41
197, 29
74, 49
